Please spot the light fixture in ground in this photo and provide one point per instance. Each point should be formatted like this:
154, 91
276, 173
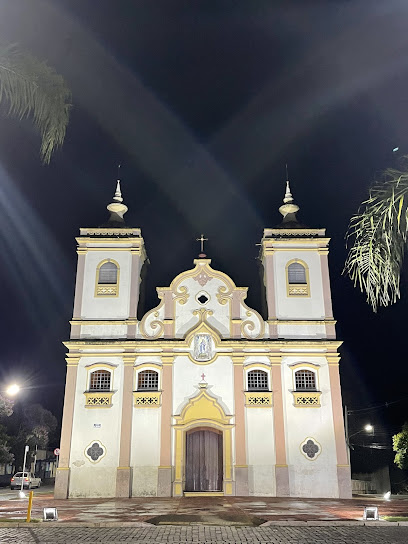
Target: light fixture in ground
50, 514
370, 513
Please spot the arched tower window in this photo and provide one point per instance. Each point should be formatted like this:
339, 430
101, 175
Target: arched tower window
148, 380
108, 273
296, 273
100, 380
107, 279
297, 278
305, 380
258, 380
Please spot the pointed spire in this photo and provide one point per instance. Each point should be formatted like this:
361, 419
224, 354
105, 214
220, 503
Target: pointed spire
116, 208
289, 208
118, 193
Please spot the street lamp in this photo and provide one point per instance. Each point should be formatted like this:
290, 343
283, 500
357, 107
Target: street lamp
13, 389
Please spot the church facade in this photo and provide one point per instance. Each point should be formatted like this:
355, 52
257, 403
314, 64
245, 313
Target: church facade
202, 395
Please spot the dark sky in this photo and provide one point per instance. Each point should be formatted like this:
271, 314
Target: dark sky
203, 103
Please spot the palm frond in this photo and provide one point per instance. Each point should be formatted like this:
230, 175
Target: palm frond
379, 236
31, 88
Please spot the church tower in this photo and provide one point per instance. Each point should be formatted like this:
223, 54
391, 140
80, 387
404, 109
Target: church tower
110, 260
296, 276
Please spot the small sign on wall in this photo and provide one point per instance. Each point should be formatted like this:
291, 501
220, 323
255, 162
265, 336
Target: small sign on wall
97, 425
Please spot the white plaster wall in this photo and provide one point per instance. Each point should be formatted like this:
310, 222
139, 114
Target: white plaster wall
185, 319
260, 451
298, 307
103, 331
145, 451
301, 331
317, 477
218, 375
106, 307
89, 479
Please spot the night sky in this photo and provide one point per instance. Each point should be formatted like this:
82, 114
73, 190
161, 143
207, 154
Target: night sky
203, 103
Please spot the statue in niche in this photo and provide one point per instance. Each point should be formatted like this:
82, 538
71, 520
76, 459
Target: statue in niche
203, 347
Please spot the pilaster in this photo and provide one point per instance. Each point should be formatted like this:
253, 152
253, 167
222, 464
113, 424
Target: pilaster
124, 472
241, 467
61, 490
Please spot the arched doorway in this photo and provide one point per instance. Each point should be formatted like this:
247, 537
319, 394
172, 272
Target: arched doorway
204, 460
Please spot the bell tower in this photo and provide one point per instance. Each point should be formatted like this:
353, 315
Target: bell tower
110, 259
296, 277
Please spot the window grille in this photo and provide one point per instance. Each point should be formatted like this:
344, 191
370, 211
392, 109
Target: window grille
296, 273
108, 273
100, 380
305, 380
148, 380
257, 380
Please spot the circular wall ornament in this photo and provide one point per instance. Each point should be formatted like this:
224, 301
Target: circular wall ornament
310, 448
95, 451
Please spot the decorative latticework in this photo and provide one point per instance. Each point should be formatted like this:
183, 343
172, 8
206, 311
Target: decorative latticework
258, 399
98, 400
299, 290
144, 399
307, 399
107, 290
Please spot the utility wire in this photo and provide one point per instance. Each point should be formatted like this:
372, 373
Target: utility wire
385, 404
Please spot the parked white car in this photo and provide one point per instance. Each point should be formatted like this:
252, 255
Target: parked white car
29, 480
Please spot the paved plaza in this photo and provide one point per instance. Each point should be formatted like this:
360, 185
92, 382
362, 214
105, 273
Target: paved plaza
207, 535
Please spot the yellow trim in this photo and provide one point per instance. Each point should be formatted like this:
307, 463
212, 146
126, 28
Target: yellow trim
98, 399
265, 366
258, 399
307, 399
301, 322
62, 468
147, 399
100, 287
240, 343
201, 411
297, 289
104, 322
298, 366
123, 468
281, 465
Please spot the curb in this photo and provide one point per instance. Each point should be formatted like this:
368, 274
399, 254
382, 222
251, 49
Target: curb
282, 523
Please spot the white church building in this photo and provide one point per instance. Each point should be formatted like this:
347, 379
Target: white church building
203, 396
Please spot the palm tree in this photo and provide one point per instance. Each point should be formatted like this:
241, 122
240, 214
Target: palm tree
379, 238
31, 88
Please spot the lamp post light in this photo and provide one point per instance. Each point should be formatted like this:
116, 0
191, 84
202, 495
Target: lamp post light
26, 448
368, 428
13, 389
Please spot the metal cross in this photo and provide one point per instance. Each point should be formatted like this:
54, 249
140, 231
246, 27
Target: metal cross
203, 376
202, 240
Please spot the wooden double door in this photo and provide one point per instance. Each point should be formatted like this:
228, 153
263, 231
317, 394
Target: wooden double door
204, 460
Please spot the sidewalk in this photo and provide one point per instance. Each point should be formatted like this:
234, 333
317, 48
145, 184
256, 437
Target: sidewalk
203, 510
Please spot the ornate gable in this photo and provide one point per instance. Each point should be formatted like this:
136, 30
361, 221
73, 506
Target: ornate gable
202, 295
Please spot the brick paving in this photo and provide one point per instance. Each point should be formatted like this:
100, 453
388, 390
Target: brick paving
206, 535
143, 509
